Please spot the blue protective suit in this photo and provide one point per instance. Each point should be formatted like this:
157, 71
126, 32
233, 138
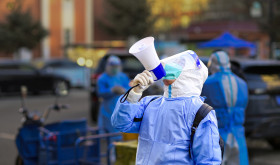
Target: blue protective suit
165, 129
105, 83
228, 95
164, 133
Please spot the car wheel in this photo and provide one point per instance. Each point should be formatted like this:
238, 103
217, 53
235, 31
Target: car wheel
19, 160
274, 142
60, 84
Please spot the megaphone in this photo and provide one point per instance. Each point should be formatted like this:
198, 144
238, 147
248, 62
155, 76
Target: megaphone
144, 51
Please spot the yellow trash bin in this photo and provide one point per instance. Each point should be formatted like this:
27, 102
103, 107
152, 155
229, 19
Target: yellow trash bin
126, 152
129, 136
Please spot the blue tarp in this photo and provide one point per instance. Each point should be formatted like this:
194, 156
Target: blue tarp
226, 40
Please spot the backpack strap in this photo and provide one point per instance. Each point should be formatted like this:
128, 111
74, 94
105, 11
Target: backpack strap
140, 119
200, 115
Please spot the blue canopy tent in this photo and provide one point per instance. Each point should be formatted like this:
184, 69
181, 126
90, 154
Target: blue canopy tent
226, 40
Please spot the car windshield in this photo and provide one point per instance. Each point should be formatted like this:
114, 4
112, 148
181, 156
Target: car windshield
26, 68
131, 64
8, 67
263, 70
62, 64
22, 67
265, 76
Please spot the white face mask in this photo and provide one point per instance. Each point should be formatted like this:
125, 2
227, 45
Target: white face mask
190, 74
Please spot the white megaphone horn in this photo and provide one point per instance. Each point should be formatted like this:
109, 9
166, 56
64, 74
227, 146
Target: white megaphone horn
144, 51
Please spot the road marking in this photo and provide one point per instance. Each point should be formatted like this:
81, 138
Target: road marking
7, 136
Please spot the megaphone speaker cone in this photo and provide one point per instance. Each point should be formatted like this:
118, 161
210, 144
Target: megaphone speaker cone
144, 50
141, 45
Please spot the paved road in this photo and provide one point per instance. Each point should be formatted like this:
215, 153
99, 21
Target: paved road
260, 152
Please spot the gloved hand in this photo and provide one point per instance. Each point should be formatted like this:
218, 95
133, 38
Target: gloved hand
145, 79
118, 90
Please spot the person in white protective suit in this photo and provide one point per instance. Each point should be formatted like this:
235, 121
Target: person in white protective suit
164, 122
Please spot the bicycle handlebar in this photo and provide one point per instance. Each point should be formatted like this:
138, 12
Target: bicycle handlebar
59, 107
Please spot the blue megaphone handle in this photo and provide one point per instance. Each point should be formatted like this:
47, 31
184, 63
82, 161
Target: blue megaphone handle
159, 72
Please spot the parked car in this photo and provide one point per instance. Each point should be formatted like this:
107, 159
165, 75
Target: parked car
78, 76
263, 111
131, 66
14, 74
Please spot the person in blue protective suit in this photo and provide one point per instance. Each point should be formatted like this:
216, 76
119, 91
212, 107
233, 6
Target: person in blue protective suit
228, 94
110, 85
164, 122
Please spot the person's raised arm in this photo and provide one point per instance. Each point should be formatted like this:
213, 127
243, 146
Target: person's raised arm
103, 88
124, 115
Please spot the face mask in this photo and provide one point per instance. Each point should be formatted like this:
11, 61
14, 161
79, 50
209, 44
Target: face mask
173, 71
115, 71
112, 70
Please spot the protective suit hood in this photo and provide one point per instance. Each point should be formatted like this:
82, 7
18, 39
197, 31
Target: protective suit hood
190, 74
219, 62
